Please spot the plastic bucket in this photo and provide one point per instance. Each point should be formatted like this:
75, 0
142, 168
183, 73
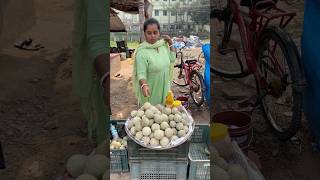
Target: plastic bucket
240, 127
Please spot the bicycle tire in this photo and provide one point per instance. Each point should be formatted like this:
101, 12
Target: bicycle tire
199, 76
292, 58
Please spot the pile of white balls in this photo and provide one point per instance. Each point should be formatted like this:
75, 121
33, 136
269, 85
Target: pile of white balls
158, 125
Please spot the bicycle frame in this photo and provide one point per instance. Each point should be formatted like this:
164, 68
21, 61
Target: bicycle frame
187, 68
250, 32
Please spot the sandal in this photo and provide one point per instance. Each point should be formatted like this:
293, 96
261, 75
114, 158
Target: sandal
28, 45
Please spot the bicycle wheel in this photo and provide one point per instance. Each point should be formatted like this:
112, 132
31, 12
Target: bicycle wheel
196, 88
279, 62
228, 55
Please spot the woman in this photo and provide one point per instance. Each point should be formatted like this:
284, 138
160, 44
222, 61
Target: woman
153, 65
90, 66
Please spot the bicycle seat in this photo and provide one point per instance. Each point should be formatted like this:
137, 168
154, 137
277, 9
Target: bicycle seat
191, 61
260, 4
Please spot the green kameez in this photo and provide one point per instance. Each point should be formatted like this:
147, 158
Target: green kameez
153, 62
90, 39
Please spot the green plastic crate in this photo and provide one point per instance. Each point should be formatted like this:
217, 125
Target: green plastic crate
119, 157
199, 161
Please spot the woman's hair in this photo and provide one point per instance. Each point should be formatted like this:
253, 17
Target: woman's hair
149, 22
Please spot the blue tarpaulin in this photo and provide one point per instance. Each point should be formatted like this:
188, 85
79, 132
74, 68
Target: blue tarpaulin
206, 53
311, 62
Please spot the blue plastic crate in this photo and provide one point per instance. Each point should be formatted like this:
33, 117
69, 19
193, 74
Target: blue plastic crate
158, 169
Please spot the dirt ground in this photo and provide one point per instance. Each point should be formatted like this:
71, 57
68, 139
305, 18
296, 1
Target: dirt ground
40, 120
294, 160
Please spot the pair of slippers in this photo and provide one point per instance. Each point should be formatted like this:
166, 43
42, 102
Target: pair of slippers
28, 45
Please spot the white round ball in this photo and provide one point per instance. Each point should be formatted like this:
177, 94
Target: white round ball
149, 113
138, 126
146, 139
133, 113
155, 127
164, 126
167, 111
146, 105
136, 120
140, 113
175, 132
139, 135
151, 121
171, 117
133, 131
157, 118
173, 124
159, 107
186, 129
168, 132
145, 121
177, 118
159, 134
146, 131
165, 118
180, 126
164, 141
181, 133
151, 136
154, 142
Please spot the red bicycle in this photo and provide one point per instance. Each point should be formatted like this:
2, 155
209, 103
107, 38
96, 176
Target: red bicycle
186, 73
270, 56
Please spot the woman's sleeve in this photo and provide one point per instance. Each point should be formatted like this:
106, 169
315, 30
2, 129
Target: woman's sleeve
97, 34
142, 66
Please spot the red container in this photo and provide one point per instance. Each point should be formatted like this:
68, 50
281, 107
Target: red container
240, 127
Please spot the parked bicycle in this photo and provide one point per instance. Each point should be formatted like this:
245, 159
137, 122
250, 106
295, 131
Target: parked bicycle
270, 55
187, 73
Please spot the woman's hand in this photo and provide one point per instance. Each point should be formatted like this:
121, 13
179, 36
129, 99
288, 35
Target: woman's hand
146, 91
102, 67
168, 39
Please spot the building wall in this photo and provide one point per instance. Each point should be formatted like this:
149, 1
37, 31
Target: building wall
159, 6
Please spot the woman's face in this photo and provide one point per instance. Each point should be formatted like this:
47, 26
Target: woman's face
152, 33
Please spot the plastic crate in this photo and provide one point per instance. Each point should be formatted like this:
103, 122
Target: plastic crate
200, 134
199, 161
119, 157
158, 170
135, 151
119, 160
